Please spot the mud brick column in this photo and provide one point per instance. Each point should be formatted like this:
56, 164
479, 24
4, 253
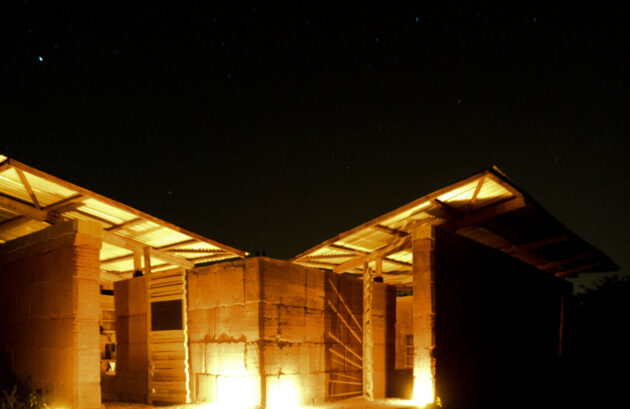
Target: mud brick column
423, 247
49, 295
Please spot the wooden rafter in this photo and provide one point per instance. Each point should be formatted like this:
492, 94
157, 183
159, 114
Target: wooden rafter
552, 265
325, 256
214, 251
89, 194
61, 205
19, 207
579, 269
394, 213
178, 244
129, 244
487, 213
117, 259
28, 187
125, 224
521, 248
473, 199
447, 208
346, 248
389, 230
383, 252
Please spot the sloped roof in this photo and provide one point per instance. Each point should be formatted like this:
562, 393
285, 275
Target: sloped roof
486, 207
31, 200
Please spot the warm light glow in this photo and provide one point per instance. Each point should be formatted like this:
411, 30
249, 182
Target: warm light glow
236, 392
423, 392
283, 393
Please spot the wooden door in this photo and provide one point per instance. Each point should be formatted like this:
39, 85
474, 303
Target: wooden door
168, 342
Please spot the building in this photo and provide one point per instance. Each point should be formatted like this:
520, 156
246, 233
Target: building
459, 293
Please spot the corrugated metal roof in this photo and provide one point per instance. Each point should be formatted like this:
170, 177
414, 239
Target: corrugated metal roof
473, 204
31, 200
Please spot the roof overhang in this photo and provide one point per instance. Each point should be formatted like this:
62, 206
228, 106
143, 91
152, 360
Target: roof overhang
31, 200
486, 207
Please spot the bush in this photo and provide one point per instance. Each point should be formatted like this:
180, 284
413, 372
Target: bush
20, 395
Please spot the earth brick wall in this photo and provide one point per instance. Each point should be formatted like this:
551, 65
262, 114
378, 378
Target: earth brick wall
49, 295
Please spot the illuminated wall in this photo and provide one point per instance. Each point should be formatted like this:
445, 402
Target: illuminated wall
49, 298
257, 333
132, 361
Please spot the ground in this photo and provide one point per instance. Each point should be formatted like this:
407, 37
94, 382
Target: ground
355, 403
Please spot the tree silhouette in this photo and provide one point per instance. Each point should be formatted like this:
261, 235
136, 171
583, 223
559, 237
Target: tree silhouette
598, 348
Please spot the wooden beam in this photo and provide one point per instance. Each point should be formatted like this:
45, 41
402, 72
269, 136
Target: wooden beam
338, 395
14, 223
111, 202
129, 244
487, 213
389, 230
147, 267
117, 259
499, 177
552, 265
28, 188
343, 320
379, 267
341, 375
212, 251
334, 288
6, 164
178, 244
521, 248
368, 333
125, 224
97, 218
351, 362
346, 347
346, 248
393, 213
325, 256
60, 205
22, 208
473, 199
447, 208
578, 269
394, 247
345, 382
137, 261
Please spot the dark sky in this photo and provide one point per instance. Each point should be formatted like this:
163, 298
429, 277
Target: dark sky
275, 128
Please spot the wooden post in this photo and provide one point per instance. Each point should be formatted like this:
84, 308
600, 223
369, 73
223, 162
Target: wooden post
147, 281
137, 261
147, 261
423, 247
368, 338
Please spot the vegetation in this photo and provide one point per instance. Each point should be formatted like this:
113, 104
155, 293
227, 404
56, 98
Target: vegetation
16, 394
598, 353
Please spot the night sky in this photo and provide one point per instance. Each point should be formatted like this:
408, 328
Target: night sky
274, 128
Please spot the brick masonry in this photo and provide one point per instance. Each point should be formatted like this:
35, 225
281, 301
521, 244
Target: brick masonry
266, 320
49, 295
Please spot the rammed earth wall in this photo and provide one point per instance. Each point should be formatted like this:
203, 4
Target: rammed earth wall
49, 298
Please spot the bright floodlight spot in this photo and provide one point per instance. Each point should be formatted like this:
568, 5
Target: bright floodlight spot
40, 58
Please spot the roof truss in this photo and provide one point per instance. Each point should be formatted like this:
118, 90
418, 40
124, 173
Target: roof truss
22, 199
